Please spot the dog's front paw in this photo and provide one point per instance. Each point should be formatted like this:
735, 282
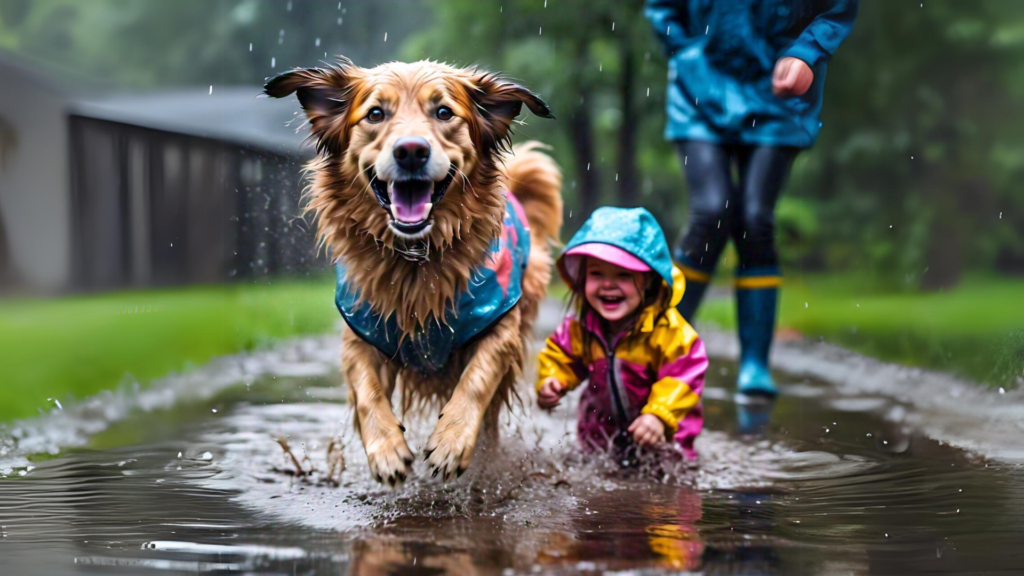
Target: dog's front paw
450, 447
389, 457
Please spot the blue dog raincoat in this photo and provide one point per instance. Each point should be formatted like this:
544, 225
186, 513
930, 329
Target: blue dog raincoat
494, 288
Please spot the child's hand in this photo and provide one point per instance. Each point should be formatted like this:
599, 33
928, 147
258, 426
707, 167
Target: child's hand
792, 77
550, 393
647, 430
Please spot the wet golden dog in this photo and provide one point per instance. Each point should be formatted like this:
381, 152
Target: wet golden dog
408, 192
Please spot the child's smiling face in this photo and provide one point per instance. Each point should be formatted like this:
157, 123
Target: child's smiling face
611, 290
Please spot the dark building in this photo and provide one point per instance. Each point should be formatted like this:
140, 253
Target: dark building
187, 186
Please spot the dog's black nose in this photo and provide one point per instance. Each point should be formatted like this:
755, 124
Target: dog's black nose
411, 152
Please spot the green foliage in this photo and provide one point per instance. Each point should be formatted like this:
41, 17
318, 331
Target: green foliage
76, 347
147, 44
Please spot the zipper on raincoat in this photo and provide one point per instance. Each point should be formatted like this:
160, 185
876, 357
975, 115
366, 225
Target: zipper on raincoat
617, 400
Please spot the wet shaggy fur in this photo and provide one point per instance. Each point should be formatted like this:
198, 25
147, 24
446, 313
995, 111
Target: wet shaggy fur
414, 280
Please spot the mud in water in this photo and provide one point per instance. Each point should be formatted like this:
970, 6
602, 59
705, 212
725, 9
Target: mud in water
831, 485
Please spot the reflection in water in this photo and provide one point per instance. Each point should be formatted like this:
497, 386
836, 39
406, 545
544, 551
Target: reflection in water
753, 414
809, 484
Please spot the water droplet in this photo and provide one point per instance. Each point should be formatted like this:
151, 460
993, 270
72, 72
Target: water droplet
206, 456
211, 89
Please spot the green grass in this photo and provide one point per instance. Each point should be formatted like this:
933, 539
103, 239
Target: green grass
975, 330
71, 348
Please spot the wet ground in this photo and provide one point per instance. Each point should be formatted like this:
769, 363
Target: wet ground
188, 479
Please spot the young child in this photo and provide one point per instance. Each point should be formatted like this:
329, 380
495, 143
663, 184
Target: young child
643, 363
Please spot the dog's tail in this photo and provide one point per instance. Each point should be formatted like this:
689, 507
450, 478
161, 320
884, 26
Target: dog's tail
535, 180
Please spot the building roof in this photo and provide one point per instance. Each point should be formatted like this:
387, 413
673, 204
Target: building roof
237, 114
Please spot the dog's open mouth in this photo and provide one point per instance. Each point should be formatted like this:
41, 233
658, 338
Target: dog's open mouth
410, 202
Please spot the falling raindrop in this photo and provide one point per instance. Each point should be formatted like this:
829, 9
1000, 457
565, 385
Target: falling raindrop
540, 31
250, 46
385, 36
318, 42
648, 91
807, 304
273, 62
211, 89
613, 26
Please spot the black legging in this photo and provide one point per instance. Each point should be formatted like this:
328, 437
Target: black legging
719, 208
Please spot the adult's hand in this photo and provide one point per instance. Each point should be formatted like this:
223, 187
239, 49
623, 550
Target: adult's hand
792, 77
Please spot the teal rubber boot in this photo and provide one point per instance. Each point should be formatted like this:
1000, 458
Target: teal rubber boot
755, 309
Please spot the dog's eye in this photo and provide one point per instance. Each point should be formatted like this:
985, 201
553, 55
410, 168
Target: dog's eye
375, 115
444, 113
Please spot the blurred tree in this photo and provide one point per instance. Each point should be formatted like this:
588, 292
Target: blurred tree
146, 44
594, 68
922, 142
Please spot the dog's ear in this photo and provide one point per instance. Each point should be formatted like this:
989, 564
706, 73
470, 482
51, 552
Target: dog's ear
499, 100
324, 94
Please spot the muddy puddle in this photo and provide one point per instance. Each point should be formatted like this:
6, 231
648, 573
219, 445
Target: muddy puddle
816, 484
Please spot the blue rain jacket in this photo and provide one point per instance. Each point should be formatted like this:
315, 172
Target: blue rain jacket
721, 57
493, 290
632, 229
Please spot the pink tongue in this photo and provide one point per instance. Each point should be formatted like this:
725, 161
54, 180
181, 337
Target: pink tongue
409, 201
410, 214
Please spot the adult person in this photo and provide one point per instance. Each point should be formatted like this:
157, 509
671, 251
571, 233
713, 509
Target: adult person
746, 79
